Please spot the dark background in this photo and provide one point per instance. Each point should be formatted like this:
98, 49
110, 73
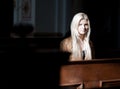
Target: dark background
3, 83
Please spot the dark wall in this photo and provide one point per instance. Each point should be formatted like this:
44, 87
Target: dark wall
103, 16
6, 9
6, 16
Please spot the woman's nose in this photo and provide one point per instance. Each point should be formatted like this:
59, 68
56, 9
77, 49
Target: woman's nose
83, 26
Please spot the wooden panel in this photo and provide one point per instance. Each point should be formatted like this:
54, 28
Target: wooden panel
91, 73
110, 83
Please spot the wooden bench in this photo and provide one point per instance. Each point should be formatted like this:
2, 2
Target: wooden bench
97, 73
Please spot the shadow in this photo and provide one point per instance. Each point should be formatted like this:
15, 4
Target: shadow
3, 83
37, 62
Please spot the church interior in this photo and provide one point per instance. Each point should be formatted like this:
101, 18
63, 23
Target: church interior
30, 39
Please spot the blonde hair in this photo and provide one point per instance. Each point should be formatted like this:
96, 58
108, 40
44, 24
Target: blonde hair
76, 48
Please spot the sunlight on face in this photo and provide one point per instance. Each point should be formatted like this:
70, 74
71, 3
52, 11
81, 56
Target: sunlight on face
83, 26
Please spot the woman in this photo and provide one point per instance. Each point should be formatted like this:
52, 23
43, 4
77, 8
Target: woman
78, 44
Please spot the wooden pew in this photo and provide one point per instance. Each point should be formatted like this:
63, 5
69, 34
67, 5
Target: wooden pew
97, 73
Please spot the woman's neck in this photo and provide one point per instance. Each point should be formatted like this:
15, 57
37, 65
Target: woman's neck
82, 37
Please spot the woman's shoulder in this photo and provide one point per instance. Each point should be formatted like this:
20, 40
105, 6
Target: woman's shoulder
66, 40
65, 44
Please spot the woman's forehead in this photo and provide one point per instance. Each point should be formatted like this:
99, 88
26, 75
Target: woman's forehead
83, 20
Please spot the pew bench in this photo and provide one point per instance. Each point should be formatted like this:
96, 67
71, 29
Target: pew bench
97, 73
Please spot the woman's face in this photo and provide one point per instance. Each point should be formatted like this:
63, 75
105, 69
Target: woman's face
83, 26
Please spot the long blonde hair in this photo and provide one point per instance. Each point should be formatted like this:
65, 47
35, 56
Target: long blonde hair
76, 48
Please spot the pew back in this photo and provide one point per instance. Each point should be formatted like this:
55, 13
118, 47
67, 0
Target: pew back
91, 74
